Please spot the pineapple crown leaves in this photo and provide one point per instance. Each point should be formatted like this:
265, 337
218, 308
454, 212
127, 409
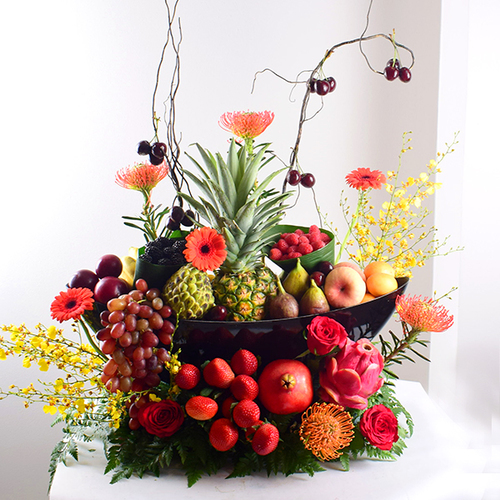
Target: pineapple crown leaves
233, 202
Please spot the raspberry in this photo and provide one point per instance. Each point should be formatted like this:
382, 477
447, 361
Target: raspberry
265, 440
201, 408
324, 237
188, 376
218, 373
294, 255
292, 239
227, 406
275, 254
314, 229
314, 237
305, 248
246, 413
318, 244
244, 387
244, 362
223, 434
303, 239
299, 231
282, 245
292, 249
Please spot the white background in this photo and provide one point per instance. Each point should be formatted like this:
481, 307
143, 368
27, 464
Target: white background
76, 88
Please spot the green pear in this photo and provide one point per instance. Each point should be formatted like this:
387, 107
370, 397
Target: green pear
297, 281
314, 300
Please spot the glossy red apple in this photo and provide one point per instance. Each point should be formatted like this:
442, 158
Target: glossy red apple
109, 288
285, 386
84, 278
109, 265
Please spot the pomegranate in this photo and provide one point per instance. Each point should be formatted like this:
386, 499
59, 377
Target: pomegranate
285, 386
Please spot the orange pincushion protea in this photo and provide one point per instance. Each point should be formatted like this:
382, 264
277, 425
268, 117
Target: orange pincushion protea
423, 314
71, 304
246, 124
205, 249
142, 177
326, 428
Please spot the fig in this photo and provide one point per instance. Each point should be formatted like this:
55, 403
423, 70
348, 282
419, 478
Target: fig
297, 281
282, 305
314, 300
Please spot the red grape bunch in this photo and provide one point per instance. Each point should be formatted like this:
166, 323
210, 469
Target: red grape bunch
135, 325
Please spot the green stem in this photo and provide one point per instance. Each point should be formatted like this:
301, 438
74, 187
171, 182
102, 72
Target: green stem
408, 339
91, 341
351, 226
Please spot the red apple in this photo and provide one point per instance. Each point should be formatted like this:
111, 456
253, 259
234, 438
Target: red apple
344, 287
109, 265
109, 288
285, 386
84, 278
353, 265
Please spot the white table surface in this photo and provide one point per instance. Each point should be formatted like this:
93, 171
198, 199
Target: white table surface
437, 465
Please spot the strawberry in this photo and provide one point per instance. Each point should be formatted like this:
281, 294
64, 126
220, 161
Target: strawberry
218, 373
201, 408
265, 440
250, 431
227, 406
188, 376
244, 387
246, 413
244, 362
223, 434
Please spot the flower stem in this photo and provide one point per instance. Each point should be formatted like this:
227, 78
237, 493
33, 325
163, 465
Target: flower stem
91, 341
351, 226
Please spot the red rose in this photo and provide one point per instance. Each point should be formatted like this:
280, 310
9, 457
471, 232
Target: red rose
323, 334
379, 426
162, 418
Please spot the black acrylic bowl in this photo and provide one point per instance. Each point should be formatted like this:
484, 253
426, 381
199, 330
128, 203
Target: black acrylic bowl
200, 340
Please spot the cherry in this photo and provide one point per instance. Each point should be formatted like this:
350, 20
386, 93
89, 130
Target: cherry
144, 148
322, 87
318, 277
188, 218
404, 75
391, 73
177, 214
312, 85
393, 62
293, 177
155, 160
331, 81
324, 267
159, 149
217, 313
172, 225
308, 180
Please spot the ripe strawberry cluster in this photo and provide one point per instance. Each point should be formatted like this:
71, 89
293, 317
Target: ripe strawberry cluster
238, 410
295, 245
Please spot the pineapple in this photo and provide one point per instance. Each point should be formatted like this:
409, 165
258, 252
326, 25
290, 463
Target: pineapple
242, 211
189, 292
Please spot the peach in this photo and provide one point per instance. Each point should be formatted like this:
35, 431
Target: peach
381, 283
344, 287
379, 267
353, 265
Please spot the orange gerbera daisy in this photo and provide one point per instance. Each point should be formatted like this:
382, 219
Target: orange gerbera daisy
326, 428
205, 249
142, 177
365, 178
71, 304
246, 124
423, 314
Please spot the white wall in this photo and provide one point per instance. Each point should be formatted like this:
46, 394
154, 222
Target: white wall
465, 375
76, 91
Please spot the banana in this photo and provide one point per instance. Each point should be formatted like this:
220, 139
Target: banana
129, 262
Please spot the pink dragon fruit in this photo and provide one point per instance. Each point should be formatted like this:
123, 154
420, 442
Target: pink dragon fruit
348, 378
